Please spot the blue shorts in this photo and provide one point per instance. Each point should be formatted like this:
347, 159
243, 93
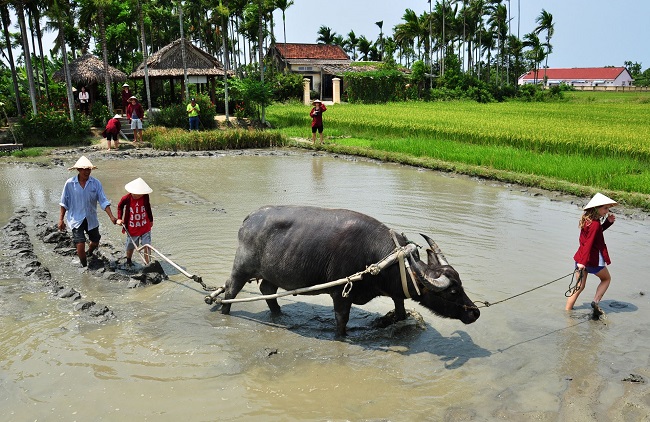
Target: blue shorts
593, 270
79, 234
145, 239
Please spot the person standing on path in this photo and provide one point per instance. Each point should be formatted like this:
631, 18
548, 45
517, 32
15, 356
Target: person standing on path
193, 111
79, 199
592, 256
316, 115
135, 114
126, 94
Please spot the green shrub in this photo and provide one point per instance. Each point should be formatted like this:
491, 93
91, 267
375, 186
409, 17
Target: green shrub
52, 128
374, 87
99, 114
175, 116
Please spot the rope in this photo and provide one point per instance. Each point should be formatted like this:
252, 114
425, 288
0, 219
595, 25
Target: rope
487, 304
572, 289
372, 269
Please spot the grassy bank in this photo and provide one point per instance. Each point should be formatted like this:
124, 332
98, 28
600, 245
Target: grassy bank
590, 142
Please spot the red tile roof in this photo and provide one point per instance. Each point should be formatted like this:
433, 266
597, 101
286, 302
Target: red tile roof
311, 51
576, 73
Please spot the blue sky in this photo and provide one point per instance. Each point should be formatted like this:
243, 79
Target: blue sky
588, 33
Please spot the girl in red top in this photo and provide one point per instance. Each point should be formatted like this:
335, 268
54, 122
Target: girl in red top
134, 214
592, 256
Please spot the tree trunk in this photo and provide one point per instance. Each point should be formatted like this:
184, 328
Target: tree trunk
261, 52
68, 78
107, 76
144, 55
183, 54
28, 59
226, 63
5, 26
39, 33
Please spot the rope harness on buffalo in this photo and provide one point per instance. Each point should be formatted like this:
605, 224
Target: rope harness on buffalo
397, 255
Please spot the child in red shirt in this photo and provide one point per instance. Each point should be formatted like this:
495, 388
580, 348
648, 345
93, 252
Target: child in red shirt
134, 215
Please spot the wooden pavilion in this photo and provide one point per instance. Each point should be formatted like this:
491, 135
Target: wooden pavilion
167, 65
88, 71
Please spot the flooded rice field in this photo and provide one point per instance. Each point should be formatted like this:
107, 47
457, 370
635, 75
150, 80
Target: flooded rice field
165, 355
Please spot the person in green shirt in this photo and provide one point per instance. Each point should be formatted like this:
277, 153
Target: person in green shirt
193, 110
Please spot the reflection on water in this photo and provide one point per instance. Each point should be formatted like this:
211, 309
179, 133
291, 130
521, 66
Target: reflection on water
169, 356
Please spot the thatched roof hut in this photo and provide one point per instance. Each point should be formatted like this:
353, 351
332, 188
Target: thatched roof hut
89, 70
167, 63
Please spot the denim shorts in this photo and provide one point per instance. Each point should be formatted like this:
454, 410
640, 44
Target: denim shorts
145, 239
136, 124
79, 234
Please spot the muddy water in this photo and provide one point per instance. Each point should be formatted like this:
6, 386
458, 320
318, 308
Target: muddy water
169, 356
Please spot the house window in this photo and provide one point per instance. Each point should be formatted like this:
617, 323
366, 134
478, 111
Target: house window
305, 68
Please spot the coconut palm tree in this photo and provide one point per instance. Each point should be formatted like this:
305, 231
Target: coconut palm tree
545, 24
413, 31
6, 22
20, 14
536, 52
364, 46
283, 5
325, 35
351, 42
380, 24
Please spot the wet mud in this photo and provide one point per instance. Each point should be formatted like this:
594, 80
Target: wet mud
106, 263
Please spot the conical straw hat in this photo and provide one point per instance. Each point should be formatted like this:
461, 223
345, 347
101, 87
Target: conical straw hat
83, 163
599, 200
138, 187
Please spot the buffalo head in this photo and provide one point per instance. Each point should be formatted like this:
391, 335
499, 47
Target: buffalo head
441, 290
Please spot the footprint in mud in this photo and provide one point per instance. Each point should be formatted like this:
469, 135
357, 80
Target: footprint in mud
181, 196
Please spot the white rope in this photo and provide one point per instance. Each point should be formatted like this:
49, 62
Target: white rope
373, 269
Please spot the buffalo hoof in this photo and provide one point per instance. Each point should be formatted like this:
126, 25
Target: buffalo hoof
389, 319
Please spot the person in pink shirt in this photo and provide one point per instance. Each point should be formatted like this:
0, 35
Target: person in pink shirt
135, 216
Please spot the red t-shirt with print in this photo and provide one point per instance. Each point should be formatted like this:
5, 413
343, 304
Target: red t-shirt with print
139, 222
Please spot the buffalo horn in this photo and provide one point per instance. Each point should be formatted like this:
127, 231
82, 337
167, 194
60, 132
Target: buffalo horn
436, 251
437, 284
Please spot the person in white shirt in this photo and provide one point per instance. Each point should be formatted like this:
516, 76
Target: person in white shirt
84, 100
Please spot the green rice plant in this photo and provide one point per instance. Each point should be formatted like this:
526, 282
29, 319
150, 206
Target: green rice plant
182, 140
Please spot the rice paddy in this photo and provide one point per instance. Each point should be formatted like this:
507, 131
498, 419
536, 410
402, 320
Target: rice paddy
589, 142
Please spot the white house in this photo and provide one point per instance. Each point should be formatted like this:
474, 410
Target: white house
580, 77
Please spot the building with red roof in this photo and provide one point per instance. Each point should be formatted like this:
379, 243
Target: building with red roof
313, 61
579, 77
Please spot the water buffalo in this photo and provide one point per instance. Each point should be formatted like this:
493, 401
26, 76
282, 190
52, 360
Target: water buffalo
293, 247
